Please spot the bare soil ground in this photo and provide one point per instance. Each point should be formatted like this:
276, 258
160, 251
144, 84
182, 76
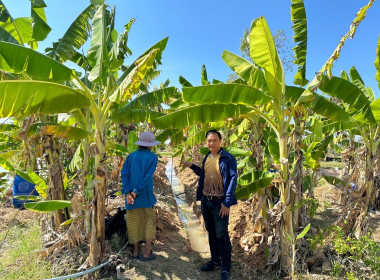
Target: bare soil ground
175, 259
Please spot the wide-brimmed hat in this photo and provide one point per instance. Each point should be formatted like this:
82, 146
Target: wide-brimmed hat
147, 139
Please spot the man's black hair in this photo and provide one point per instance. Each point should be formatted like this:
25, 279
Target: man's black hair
213, 131
143, 147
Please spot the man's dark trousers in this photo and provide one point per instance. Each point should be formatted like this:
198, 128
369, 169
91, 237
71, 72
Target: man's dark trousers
217, 227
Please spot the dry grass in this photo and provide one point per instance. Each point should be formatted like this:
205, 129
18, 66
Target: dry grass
18, 258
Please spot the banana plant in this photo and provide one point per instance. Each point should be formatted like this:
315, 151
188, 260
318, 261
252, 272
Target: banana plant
267, 96
363, 118
90, 100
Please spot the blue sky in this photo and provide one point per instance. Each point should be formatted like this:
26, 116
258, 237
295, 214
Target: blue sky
199, 32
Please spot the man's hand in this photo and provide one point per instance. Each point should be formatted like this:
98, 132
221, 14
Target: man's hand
186, 164
224, 211
131, 197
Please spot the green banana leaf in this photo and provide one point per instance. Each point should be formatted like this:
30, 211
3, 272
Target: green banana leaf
204, 80
274, 149
24, 98
18, 31
179, 103
366, 115
132, 139
153, 98
344, 75
225, 94
251, 175
246, 191
237, 152
246, 70
175, 135
23, 175
117, 149
263, 52
126, 115
183, 82
200, 114
67, 132
16, 59
354, 74
6, 164
330, 126
120, 49
242, 127
320, 149
375, 109
367, 91
298, 17
9, 153
196, 135
28, 197
334, 180
41, 186
215, 82
293, 93
329, 109
6, 18
77, 160
7, 127
75, 36
159, 47
133, 80
40, 27
82, 61
47, 206
309, 160
345, 91
316, 128
97, 54
35, 128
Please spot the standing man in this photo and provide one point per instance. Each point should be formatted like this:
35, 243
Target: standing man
216, 191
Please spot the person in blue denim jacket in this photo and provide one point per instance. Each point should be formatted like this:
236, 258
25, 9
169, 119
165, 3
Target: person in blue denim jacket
216, 191
137, 186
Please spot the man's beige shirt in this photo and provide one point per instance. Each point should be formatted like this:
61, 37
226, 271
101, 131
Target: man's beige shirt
213, 181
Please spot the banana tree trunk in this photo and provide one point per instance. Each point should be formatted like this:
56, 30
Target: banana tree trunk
348, 156
30, 148
261, 223
97, 241
285, 200
376, 180
356, 221
56, 188
297, 184
368, 198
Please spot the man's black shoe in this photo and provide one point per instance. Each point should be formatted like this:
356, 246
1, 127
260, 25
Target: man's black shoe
225, 275
209, 266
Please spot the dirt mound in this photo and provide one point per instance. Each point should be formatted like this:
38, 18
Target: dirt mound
13, 216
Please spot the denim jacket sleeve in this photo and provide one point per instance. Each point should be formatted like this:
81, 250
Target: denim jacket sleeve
126, 186
197, 170
231, 182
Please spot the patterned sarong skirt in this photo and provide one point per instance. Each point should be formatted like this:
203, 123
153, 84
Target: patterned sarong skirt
141, 224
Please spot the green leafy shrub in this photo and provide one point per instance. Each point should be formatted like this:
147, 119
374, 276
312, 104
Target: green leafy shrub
358, 258
311, 205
